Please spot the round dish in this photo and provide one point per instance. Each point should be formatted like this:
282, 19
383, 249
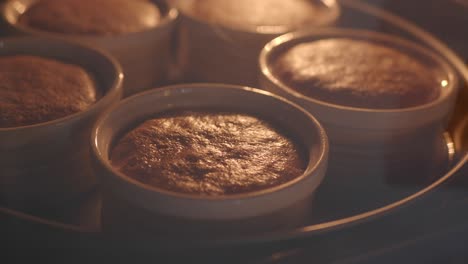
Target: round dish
145, 56
274, 200
46, 163
214, 52
353, 127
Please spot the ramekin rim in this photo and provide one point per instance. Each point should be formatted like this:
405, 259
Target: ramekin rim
311, 168
113, 90
169, 18
334, 32
334, 6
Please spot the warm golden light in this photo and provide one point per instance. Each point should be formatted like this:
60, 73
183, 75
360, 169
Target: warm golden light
450, 145
444, 83
20, 7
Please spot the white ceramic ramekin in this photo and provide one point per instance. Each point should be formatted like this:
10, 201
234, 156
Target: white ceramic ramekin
45, 164
218, 53
142, 203
146, 56
359, 130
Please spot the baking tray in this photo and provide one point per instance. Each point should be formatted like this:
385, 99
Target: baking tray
353, 211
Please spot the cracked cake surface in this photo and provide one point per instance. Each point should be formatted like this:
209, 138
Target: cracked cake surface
208, 153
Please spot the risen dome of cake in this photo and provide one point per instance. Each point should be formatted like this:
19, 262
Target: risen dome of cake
357, 73
99, 17
35, 90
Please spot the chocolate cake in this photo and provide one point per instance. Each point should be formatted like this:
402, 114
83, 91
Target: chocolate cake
35, 90
357, 73
208, 153
97, 17
245, 14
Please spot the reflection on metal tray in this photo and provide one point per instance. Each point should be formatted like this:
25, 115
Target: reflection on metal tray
354, 207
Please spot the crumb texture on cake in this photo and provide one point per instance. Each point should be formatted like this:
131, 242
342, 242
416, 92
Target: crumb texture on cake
207, 153
246, 13
35, 90
99, 17
357, 73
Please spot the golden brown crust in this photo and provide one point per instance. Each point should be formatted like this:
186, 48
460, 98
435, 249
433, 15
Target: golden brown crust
248, 13
357, 73
99, 17
208, 153
35, 90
